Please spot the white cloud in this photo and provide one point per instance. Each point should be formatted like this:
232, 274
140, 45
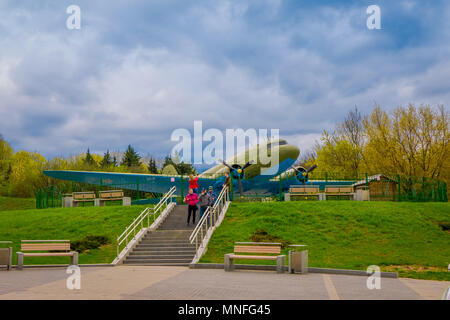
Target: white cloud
135, 80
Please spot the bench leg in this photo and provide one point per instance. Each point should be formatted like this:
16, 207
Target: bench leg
228, 263
280, 263
19, 260
75, 258
10, 259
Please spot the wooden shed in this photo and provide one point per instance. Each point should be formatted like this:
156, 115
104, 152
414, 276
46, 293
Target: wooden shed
381, 187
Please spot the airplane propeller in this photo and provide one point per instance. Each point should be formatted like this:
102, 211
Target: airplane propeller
238, 172
302, 173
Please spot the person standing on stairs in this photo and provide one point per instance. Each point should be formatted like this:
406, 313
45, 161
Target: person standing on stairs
191, 200
204, 201
193, 183
227, 181
212, 195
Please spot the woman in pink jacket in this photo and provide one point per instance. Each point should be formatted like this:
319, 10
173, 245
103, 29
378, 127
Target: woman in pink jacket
191, 200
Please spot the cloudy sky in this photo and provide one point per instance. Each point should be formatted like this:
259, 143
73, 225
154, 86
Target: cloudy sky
137, 70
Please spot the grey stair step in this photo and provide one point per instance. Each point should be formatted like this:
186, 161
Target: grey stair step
158, 257
166, 249
164, 243
169, 245
169, 234
165, 238
168, 231
177, 227
131, 260
176, 264
162, 253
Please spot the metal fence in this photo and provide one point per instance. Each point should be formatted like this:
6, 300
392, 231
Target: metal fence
50, 197
381, 188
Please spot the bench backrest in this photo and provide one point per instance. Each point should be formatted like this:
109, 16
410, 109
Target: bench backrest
83, 195
38, 245
346, 189
305, 189
110, 194
338, 189
257, 248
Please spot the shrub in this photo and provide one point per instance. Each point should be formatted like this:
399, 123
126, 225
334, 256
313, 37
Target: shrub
89, 242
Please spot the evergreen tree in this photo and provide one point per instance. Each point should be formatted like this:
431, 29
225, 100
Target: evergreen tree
185, 168
152, 168
181, 167
131, 158
107, 161
167, 161
89, 160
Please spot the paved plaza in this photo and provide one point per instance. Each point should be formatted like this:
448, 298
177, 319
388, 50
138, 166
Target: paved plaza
150, 282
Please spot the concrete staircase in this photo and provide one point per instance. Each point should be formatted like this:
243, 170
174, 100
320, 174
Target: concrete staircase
167, 246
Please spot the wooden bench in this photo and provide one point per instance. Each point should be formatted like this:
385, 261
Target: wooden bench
304, 191
339, 191
6, 255
110, 195
83, 197
255, 247
59, 248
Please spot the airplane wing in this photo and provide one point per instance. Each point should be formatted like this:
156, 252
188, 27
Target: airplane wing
133, 181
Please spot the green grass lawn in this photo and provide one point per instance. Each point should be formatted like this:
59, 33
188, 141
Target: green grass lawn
410, 238
68, 224
9, 203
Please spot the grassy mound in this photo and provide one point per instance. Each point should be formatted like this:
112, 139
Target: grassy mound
92, 230
411, 238
8, 203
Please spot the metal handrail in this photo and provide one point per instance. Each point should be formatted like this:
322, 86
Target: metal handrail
205, 214
139, 221
212, 214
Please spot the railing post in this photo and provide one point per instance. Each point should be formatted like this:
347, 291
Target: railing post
137, 189
181, 188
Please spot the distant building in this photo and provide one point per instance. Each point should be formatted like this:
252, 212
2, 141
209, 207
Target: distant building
381, 187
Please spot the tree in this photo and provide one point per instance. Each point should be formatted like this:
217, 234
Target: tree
89, 160
26, 173
185, 168
169, 170
107, 162
152, 168
167, 161
182, 168
6, 152
411, 142
131, 158
340, 151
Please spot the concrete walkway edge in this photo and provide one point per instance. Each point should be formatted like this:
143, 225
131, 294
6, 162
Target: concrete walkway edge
310, 270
